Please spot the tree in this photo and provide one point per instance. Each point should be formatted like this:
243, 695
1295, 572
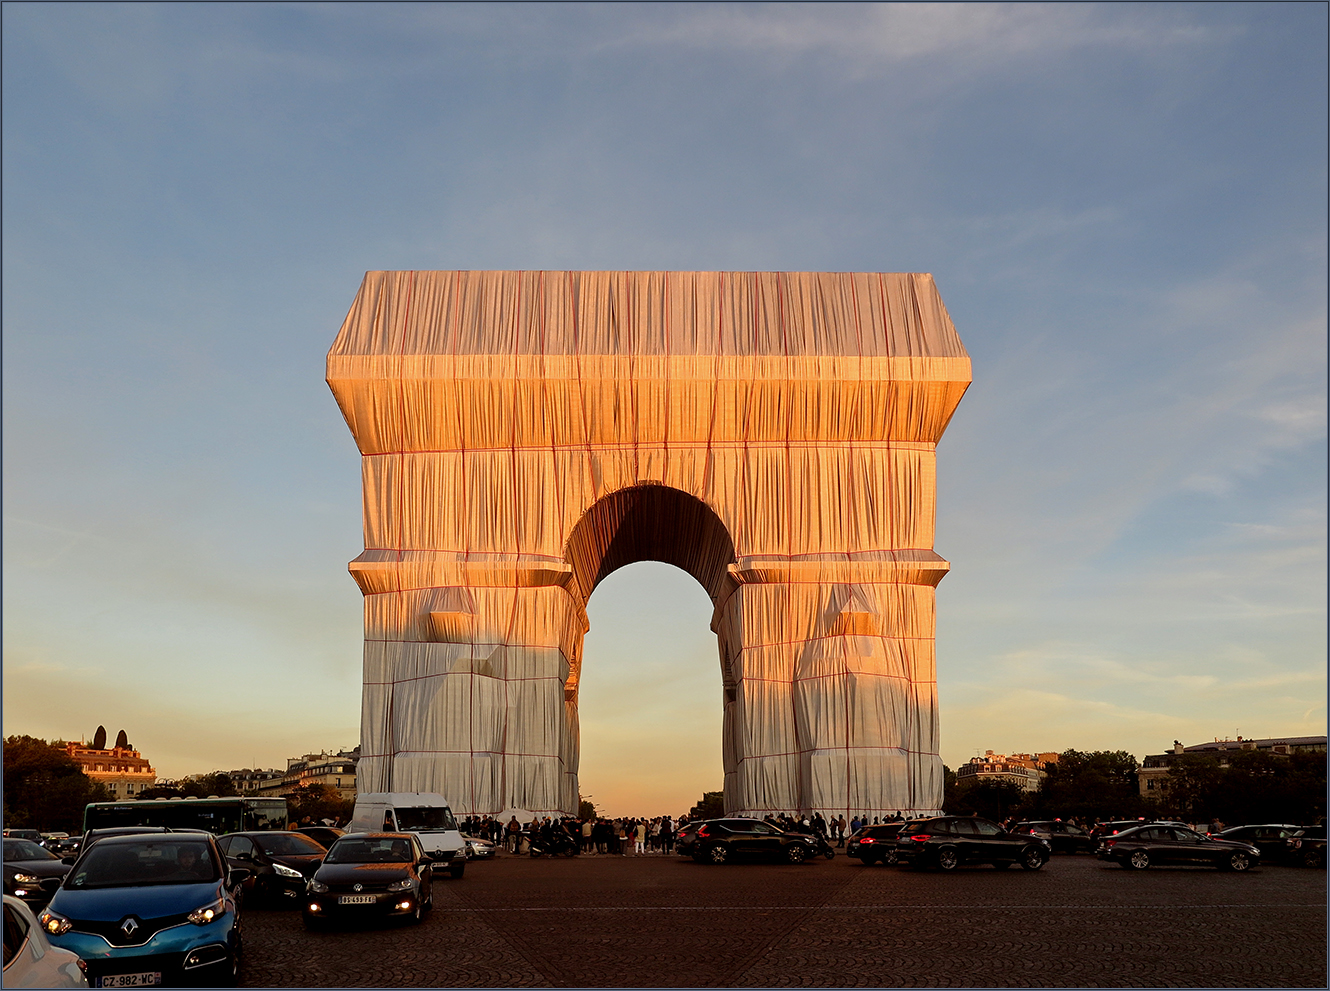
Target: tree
99, 739
217, 783
586, 809
1100, 784
122, 741
318, 802
712, 806
44, 788
991, 799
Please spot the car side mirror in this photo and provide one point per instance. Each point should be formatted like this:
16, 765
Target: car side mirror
238, 875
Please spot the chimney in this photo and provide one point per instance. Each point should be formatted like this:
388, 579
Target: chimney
1177, 746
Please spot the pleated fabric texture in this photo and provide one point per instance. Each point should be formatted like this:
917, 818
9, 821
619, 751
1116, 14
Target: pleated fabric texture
524, 434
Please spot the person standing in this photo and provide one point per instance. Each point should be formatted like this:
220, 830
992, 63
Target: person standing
514, 834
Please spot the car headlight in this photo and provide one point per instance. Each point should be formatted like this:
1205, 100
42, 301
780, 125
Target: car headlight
316, 887
26, 879
202, 916
54, 923
284, 871
406, 884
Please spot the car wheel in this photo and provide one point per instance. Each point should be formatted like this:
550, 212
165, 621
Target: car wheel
457, 870
795, 853
1032, 858
1139, 860
1239, 861
718, 854
890, 858
1313, 858
947, 859
429, 902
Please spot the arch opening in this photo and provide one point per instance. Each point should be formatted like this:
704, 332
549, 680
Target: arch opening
649, 523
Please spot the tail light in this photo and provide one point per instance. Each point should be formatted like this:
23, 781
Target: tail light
1108, 844
702, 831
867, 839
920, 837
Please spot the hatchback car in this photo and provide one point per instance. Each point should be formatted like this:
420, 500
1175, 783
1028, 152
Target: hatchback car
32, 962
370, 876
721, 840
31, 872
149, 909
1177, 845
280, 862
874, 844
478, 848
947, 842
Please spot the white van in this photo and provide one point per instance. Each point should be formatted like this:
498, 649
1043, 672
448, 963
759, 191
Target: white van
421, 812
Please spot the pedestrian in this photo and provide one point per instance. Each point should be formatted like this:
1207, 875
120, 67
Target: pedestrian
639, 838
514, 834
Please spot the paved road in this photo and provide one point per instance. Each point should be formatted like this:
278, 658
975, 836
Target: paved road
664, 922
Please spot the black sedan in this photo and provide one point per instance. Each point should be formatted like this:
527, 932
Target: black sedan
31, 871
370, 876
719, 840
325, 836
1139, 848
281, 863
947, 842
1271, 839
874, 844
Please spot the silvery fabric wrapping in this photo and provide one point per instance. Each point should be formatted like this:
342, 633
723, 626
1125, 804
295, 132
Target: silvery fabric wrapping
524, 434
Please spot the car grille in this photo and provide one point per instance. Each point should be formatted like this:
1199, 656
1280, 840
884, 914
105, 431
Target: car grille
365, 889
114, 933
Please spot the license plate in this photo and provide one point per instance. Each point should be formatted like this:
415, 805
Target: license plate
356, 900
130, 980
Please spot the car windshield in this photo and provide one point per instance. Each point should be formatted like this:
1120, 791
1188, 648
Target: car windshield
171, 860
425, 818
287, 844
376, 850
26, 850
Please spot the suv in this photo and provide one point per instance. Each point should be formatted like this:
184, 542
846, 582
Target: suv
1062, 837
1271, 840
874, 844
1309, 842
719, 840
946, 842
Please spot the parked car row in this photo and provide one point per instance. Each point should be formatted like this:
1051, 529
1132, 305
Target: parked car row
718, 841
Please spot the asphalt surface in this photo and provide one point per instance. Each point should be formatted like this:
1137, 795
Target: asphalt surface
656, 921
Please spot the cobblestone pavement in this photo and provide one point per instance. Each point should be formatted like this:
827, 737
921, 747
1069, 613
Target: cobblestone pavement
666, 922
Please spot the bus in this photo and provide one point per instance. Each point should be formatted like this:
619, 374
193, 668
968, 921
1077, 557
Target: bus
216, 815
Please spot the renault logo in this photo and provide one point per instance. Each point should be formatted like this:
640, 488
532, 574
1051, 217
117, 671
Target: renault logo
357, 887
129, 926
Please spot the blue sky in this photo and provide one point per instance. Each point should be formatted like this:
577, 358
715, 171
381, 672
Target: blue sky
1123, 206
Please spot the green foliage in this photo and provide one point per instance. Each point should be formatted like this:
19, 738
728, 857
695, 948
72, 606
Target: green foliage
99, 739
318, 802
991, 799
1256, 786
1095, 785
217, 783
586, 809
44, 788
712, 806
122, 741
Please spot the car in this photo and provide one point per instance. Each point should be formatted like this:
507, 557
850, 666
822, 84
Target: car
23, 834
478, 848
325, 836
148, 909
32, 962
31, 872
1062, 837
1271, 839
947, 842
874, 844
1143, 846
736, 838
54, 841
370, 876
1309, 842
1112, 828
93, 835
281, 862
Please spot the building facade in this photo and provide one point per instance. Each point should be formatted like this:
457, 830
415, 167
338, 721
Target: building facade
336, 770
1026, 771
124, 771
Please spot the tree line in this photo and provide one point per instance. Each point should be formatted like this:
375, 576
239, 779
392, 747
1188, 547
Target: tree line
1252, 786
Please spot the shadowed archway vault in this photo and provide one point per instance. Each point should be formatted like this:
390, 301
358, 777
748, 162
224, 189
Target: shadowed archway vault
524, 434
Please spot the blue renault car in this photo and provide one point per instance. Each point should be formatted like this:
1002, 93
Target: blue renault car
150, 909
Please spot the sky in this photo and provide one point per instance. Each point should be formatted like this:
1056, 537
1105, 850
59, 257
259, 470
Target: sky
1123, 205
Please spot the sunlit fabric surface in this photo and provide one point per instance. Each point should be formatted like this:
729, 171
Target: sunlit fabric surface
524, 434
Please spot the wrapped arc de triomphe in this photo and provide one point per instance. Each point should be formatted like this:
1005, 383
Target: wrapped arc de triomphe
773, 434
